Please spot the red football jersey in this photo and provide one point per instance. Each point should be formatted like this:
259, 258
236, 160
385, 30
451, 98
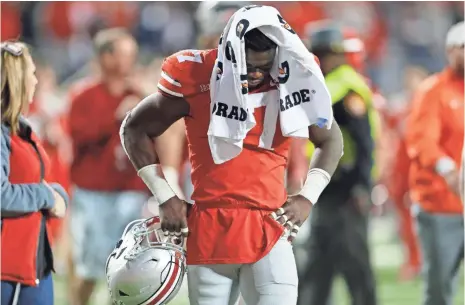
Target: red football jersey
230, 221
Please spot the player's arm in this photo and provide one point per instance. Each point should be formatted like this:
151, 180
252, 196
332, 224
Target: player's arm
328, 150
328, 147
147, 121
154, 115
143, 125
141, 131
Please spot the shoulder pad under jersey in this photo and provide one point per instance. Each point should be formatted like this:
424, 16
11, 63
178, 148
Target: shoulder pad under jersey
187, 73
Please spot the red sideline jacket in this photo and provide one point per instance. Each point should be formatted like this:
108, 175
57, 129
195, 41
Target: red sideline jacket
100, 162
26, 230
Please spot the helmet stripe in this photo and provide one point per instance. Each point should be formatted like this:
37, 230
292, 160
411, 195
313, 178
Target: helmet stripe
164, 292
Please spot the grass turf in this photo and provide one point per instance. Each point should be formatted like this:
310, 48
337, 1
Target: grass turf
390, 291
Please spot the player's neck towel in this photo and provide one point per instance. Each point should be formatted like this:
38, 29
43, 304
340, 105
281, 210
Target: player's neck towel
303, 98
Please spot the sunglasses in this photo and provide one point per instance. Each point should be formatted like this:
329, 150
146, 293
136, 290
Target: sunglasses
12, 48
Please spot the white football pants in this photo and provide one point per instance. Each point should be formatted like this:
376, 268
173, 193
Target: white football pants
270, 281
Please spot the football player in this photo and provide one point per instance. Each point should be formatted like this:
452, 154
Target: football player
211, 17
235, 243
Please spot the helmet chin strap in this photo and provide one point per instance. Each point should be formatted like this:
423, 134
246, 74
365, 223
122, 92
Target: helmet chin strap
142, 229
131, 225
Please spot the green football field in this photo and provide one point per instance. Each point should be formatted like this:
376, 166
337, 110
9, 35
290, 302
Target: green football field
386, 256
390, 292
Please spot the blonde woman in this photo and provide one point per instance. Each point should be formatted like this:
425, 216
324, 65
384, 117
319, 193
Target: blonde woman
28, 203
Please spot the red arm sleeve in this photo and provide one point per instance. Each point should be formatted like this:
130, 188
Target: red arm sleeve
89, 122
424, 127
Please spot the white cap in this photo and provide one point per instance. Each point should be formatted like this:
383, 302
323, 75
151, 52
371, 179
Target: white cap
456, 35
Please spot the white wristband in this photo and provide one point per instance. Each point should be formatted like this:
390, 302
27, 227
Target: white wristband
317, 180
152, 175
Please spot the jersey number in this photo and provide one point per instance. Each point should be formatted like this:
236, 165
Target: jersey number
195, 58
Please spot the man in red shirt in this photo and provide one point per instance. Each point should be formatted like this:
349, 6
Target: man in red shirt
107, 193
242, 218
434, 141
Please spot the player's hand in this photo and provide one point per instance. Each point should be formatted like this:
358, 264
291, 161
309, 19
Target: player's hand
293, 214
173, 215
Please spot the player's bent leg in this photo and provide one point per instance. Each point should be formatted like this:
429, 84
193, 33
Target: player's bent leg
213, 284
273, 279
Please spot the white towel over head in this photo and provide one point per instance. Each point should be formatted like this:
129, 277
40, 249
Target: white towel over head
302, 98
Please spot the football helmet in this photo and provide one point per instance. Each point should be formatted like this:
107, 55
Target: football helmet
146, 267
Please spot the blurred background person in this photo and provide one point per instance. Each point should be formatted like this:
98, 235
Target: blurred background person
30, 203
434, 140
11, 25
338, 241
397, 171
107, 193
